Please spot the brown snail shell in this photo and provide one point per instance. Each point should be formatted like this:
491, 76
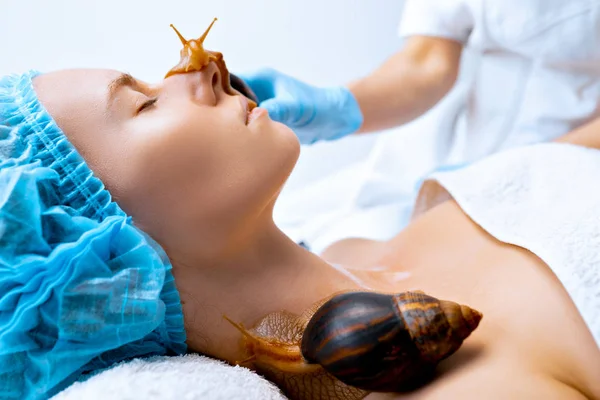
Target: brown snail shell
193, 57
385, 343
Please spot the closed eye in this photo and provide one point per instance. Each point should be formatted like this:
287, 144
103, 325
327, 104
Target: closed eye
147, 105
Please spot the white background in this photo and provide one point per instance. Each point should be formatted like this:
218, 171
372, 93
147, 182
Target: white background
324, 42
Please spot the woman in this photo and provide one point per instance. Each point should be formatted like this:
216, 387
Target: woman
82, 288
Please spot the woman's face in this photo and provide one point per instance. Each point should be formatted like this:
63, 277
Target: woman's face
179, 155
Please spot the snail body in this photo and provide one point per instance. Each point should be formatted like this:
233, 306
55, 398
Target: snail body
272, 348
279, 353
359, 342
194, 57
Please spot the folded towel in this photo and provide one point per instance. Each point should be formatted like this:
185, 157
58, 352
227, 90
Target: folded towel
188, 377
544, 198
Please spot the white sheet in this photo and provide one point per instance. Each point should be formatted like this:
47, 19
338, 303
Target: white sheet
190, 377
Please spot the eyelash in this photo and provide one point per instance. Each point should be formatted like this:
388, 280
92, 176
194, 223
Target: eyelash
147, 104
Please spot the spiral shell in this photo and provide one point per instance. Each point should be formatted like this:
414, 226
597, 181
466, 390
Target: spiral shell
385, 343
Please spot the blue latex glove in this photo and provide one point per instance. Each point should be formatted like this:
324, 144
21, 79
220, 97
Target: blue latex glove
313, 113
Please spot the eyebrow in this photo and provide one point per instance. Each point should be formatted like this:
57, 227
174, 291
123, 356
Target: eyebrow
120, 82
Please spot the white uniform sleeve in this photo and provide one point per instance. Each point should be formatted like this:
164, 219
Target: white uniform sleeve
451, 19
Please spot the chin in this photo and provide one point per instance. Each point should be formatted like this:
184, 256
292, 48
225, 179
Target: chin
283, 143
293, 151
287, 148
292, 143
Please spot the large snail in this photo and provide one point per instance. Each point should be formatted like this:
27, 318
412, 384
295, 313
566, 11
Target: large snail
193, 57
359, 342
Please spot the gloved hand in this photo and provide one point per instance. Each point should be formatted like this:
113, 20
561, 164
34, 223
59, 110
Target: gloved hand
313, 113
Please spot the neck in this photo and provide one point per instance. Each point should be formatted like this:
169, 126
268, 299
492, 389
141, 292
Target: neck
269, 273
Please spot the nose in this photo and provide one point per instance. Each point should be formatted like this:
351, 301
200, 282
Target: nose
211, 75
205, 85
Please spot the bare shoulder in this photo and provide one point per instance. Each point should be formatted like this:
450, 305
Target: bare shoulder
491, 380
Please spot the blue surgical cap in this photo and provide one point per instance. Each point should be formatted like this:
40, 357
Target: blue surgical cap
81, 288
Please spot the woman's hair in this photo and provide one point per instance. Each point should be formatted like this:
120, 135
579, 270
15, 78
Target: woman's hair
80, 287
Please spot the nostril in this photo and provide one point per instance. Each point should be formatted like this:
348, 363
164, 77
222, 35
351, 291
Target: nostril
238, 84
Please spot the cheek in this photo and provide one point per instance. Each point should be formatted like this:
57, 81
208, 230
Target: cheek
204, 168
179, 166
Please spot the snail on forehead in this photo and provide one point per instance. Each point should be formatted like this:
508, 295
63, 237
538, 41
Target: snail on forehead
194, 57
354, 343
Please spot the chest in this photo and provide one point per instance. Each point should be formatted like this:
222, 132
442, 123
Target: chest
527, 314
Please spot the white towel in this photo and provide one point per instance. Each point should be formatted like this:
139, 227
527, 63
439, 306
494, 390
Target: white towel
189, 377
544, 198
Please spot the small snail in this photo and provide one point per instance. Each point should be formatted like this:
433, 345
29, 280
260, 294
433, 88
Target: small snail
193, 57
358, 342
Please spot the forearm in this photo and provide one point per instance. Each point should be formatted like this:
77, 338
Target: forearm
408, 84
587, 135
